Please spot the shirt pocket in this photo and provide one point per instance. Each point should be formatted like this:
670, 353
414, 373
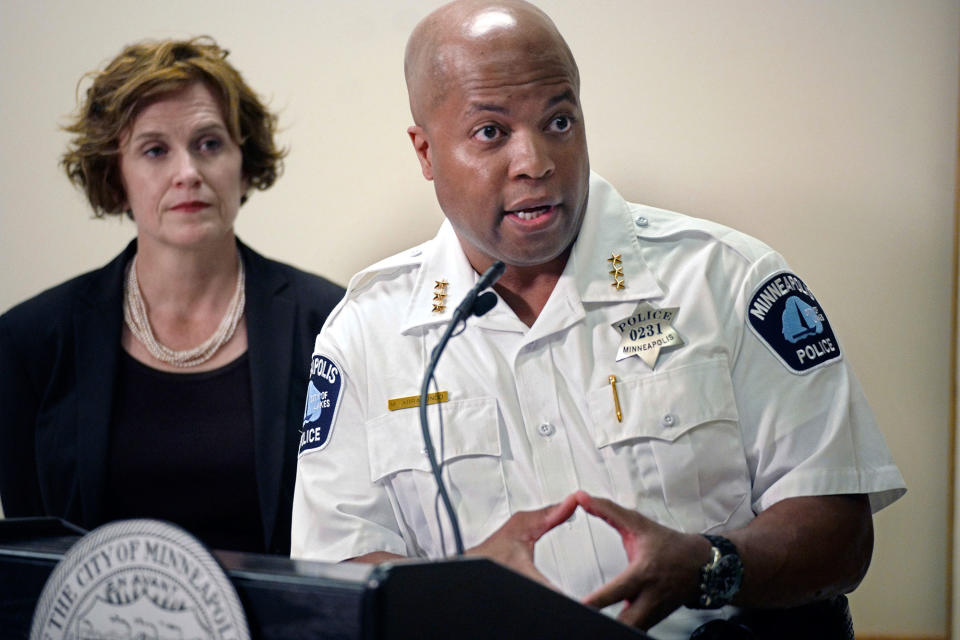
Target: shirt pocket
469, 449
677, 455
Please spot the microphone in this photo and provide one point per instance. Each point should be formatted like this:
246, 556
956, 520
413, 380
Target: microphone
473, 304
466, 308
483, 303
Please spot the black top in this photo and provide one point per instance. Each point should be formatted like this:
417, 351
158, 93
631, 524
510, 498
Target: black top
181, 449
60, 357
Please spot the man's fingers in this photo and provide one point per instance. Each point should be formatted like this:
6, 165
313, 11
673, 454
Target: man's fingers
639, 614
539, 521
607, 510
534, 574
621, 587
559, 513
639, 610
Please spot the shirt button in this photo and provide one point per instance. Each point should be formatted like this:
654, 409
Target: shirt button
641, 221
546, 429
669, 420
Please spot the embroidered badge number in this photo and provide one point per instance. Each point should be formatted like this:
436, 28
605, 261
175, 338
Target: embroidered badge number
786, 317
323, 396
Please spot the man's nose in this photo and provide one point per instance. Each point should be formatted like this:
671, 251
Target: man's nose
530, 156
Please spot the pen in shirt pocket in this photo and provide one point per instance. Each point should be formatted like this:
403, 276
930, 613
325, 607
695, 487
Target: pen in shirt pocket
616, 398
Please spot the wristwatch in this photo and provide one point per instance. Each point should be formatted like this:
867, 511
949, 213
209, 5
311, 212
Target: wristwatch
720, 578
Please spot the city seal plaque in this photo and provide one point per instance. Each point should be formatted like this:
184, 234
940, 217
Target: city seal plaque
139, 579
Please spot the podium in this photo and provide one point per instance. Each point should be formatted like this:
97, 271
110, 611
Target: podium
463, 598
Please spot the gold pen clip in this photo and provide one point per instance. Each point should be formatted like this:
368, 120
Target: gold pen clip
616, 398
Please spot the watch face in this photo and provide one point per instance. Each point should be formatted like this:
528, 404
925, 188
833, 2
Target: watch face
728, 574
721, 576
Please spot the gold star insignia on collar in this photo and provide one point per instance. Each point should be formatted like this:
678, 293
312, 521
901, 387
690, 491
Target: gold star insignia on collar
617, 271
440, 295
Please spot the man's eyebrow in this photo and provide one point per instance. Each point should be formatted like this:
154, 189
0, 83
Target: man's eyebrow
566, 96
477, 107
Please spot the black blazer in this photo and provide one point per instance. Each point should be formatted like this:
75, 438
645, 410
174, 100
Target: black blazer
59, 354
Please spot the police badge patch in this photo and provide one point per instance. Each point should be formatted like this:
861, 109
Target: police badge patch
786, 317
323, 399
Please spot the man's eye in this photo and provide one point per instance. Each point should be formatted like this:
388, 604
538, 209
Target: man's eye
560, 123
487, 133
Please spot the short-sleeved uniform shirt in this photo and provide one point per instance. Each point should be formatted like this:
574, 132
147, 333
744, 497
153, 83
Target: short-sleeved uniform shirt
734, 393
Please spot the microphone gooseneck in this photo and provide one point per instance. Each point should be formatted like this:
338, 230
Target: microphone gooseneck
473, 304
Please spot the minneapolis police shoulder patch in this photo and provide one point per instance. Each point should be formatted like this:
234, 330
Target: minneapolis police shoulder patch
786, 317
323, 398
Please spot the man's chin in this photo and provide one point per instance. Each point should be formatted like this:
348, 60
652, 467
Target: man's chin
534, 258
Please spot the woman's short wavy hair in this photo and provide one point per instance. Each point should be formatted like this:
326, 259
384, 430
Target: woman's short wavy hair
140, 74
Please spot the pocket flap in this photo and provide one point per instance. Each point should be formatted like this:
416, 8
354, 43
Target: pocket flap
663, 405
395, 440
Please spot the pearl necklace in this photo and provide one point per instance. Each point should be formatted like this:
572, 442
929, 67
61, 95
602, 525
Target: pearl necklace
135, 315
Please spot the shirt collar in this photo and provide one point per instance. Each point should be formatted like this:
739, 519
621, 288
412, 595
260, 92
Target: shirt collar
443, 262
609, 229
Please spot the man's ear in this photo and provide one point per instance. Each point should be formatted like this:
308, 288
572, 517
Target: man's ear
422, 147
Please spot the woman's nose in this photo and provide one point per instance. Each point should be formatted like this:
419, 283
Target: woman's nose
187, 174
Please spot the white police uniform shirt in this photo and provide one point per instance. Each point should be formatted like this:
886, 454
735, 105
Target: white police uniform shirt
720, 428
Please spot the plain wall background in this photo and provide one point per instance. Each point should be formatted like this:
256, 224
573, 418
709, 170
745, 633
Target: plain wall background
827, 129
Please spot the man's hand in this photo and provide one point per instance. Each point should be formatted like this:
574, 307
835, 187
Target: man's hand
663, 565
512, 544
796, 551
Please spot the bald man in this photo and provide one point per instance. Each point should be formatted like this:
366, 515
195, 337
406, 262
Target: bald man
656, 416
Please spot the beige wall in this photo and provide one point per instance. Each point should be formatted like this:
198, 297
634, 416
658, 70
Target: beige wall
827, 129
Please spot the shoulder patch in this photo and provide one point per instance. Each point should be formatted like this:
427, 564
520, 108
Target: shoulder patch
324, 391
786, 317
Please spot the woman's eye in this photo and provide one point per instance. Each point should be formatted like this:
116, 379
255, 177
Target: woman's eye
210, 144
154, 151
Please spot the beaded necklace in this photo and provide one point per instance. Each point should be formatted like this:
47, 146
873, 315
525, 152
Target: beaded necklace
135, 315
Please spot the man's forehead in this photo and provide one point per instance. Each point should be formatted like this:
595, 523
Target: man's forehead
521, 59
470, 44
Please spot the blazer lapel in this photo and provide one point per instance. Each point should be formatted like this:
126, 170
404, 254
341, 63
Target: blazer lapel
98, 324
270, 325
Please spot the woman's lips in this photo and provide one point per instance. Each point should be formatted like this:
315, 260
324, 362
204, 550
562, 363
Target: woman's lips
189, 207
